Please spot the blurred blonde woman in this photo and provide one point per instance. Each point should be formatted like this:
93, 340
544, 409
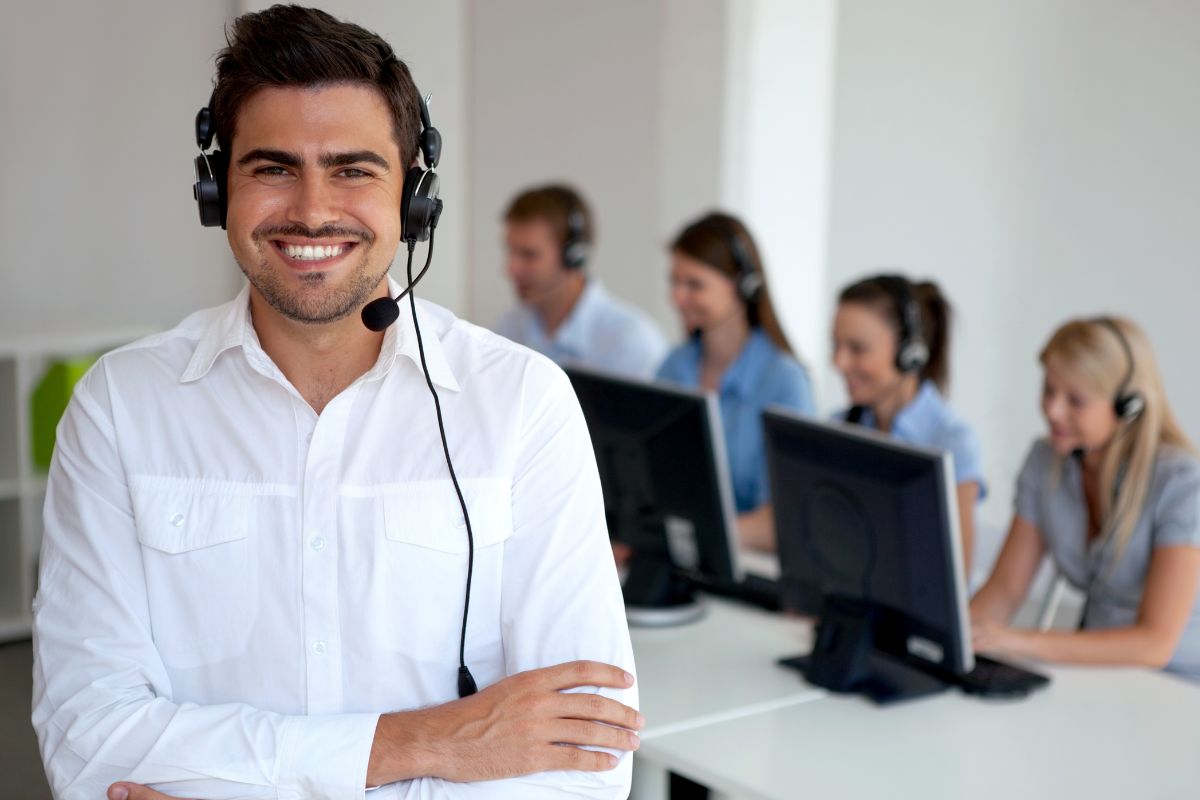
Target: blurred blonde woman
1113, 493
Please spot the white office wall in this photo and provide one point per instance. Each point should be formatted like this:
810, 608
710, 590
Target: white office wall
775, 161
695, 49
97, 102
623, 99
1038, 160
565, 92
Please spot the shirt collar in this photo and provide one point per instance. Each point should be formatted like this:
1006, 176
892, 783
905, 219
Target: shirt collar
744, 375
922, 412
574, 334
233, 327
915, 420
226, 330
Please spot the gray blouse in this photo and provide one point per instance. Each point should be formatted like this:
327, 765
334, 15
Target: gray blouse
1050, 496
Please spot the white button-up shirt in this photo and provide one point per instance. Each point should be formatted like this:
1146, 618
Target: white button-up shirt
233, 588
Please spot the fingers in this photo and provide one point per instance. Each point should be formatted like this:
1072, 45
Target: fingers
592, 734
574, 674
565, 757
133, 791
595, 707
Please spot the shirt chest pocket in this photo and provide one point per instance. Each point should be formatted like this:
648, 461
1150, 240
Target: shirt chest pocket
200, 567
425, 547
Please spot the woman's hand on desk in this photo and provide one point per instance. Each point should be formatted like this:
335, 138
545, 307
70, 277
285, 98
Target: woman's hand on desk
994, 637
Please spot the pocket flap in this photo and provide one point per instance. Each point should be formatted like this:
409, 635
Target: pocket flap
176, 516
427, 513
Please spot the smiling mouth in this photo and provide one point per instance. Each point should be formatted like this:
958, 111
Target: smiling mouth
312, 254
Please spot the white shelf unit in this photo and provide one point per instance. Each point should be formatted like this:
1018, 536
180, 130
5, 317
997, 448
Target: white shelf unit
23, 362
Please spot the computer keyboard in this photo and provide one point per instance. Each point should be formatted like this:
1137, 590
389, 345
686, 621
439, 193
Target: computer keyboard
992, 678
753, 589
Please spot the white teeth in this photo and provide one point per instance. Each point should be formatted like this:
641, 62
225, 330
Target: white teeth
311, 253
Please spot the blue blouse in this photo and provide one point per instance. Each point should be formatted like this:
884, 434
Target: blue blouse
929, 422
761, 376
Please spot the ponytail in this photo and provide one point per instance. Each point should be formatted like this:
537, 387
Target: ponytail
935, 329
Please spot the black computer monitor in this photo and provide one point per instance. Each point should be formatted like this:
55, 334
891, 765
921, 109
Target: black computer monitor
868, 535
667, 494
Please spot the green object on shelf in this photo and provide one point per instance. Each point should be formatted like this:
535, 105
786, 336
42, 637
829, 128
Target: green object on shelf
49, 401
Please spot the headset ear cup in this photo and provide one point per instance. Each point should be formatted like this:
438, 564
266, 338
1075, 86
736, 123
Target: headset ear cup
575, 255
418, 204
749, 286
1129, 406
912, 356
209, 189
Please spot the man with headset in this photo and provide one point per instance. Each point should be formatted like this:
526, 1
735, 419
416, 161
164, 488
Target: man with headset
562, 312
283, 548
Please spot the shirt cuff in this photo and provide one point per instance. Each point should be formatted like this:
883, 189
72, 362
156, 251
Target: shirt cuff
326, 757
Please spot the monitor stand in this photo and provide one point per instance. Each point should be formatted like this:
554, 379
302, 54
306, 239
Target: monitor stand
657, 594
844, 658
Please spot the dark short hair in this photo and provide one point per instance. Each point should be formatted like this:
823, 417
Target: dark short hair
553, 203
303, 47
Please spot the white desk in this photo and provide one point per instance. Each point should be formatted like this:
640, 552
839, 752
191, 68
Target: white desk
714, 671
1092, 733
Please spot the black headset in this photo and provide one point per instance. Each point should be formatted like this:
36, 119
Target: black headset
575, 250
912, 353
1128, 403
212, 170
749, 281
419, 204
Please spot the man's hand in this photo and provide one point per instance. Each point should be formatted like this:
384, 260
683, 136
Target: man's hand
523, 724
132, 791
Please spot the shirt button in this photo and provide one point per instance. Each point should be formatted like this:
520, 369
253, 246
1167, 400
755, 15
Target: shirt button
308, 438
459, 521
319, 648
177, 519
318, 543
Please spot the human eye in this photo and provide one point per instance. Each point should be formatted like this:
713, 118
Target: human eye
272, 174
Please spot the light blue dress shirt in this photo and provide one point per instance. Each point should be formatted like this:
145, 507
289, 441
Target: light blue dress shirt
600, 332
927, 421
761, 376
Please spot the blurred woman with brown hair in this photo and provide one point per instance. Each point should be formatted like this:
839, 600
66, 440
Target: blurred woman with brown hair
736, 348
891, 343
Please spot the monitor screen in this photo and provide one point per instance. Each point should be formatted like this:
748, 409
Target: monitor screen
661, 456
863, 516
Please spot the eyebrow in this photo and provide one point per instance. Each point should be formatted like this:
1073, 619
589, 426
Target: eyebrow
326, 160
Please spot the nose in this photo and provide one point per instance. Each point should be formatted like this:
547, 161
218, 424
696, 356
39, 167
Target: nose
312, 203
1053, 408
678, 295
512, 267
841, 361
